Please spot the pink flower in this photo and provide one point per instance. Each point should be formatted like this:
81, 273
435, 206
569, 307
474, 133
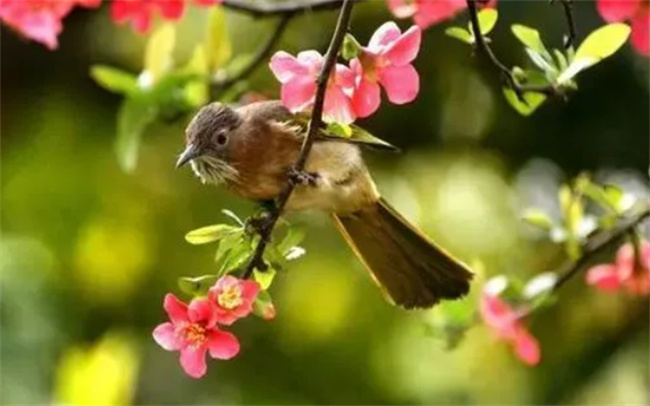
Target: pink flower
625, 272
506, 324
231, 299
386, 61
193, 332
637, 11
298, 77
426, 13
141, 12
40, 20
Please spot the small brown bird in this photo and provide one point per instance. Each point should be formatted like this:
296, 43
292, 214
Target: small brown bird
252, 149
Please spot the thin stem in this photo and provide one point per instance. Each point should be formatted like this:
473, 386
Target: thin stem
483, 48
569, 41
219, 86
259, 8
315, 123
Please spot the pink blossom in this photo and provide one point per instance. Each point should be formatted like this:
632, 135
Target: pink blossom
505, 322
40, 20
386, 61
194, 333
231, 299
426, 13
141, 12
298, 78
637, 11
625, 272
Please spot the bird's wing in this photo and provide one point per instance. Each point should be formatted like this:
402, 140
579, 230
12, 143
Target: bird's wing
337, 132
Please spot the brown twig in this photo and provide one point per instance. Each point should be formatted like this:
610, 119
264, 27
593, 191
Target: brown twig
484, 48
257, 261
221, 85
570, 39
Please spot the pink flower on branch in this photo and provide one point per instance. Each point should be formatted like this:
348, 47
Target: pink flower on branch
386, 61
637, 11
298, 78
193, 332
40, 20
141, 12
231, 299
506, 323
426, 13
625, 272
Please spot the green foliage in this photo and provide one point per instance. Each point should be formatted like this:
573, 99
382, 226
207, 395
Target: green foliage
351, 47
158, 54
135, 114
205, 235
487, 20
197, 286
461, 34
218, 48
529, 37
114, 80
538, 218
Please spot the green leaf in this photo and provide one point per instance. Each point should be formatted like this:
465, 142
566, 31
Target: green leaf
487, 19
217, 43
205, 235
539, 285
197, 92
197, 286
273, 256
293, 237
529, 37
460, 34
264, 278
114, 80
351, 47
134, 115
532, 101
227, 243
537, 218
562, 61
236, 257
233, 216
337, 129
158, 54
599, 45
263, 306
543, 61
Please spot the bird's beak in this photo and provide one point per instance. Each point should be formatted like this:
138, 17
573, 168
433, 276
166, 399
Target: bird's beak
190, 153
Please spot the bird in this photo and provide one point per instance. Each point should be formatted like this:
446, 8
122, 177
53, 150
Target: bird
251, 150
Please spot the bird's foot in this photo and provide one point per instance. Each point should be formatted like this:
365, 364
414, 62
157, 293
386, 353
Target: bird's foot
303, 178
260, 222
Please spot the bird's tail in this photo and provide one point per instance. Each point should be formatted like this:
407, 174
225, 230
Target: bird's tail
413, 270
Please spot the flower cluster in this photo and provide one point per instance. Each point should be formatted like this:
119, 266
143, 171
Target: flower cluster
626, 272
637, 11
426, 13
193, 329
42, 20
354, 91
505, 321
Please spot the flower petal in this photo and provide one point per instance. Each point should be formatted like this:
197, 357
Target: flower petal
498, 315
639, 37
625, 261
313, 60
222, 345
298, 94
338, 106
345, 78
401, 8
527, 347
605, 277
406, 47
171, 9
401, 83
193, 361
285, 67
249, 290
617, 10
200, 310
434, 12
384, 36
176, 310
366, 98
165, 336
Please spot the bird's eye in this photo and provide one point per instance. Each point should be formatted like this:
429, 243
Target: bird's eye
222, 139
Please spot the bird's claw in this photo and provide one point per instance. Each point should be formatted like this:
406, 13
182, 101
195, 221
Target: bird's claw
303, 178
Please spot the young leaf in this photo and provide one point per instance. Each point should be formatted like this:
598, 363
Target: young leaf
460, 34
233, 216
532, 101
196, 93
351, 47
263, 306
294, 253
114, 80
264, 278
236, 257
197, 286
205, 235
339, 129
599, 45
293, 237
158, 55
537, 218
529, 37
562, 61
227, 243
133, 117
217, 44
487, 19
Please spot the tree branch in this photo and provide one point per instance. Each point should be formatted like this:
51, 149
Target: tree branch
483, 48
261, 55
257, 261
260, 8
570, 39
597, 244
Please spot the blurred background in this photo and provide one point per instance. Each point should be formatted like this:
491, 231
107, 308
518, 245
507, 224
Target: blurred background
88, 252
